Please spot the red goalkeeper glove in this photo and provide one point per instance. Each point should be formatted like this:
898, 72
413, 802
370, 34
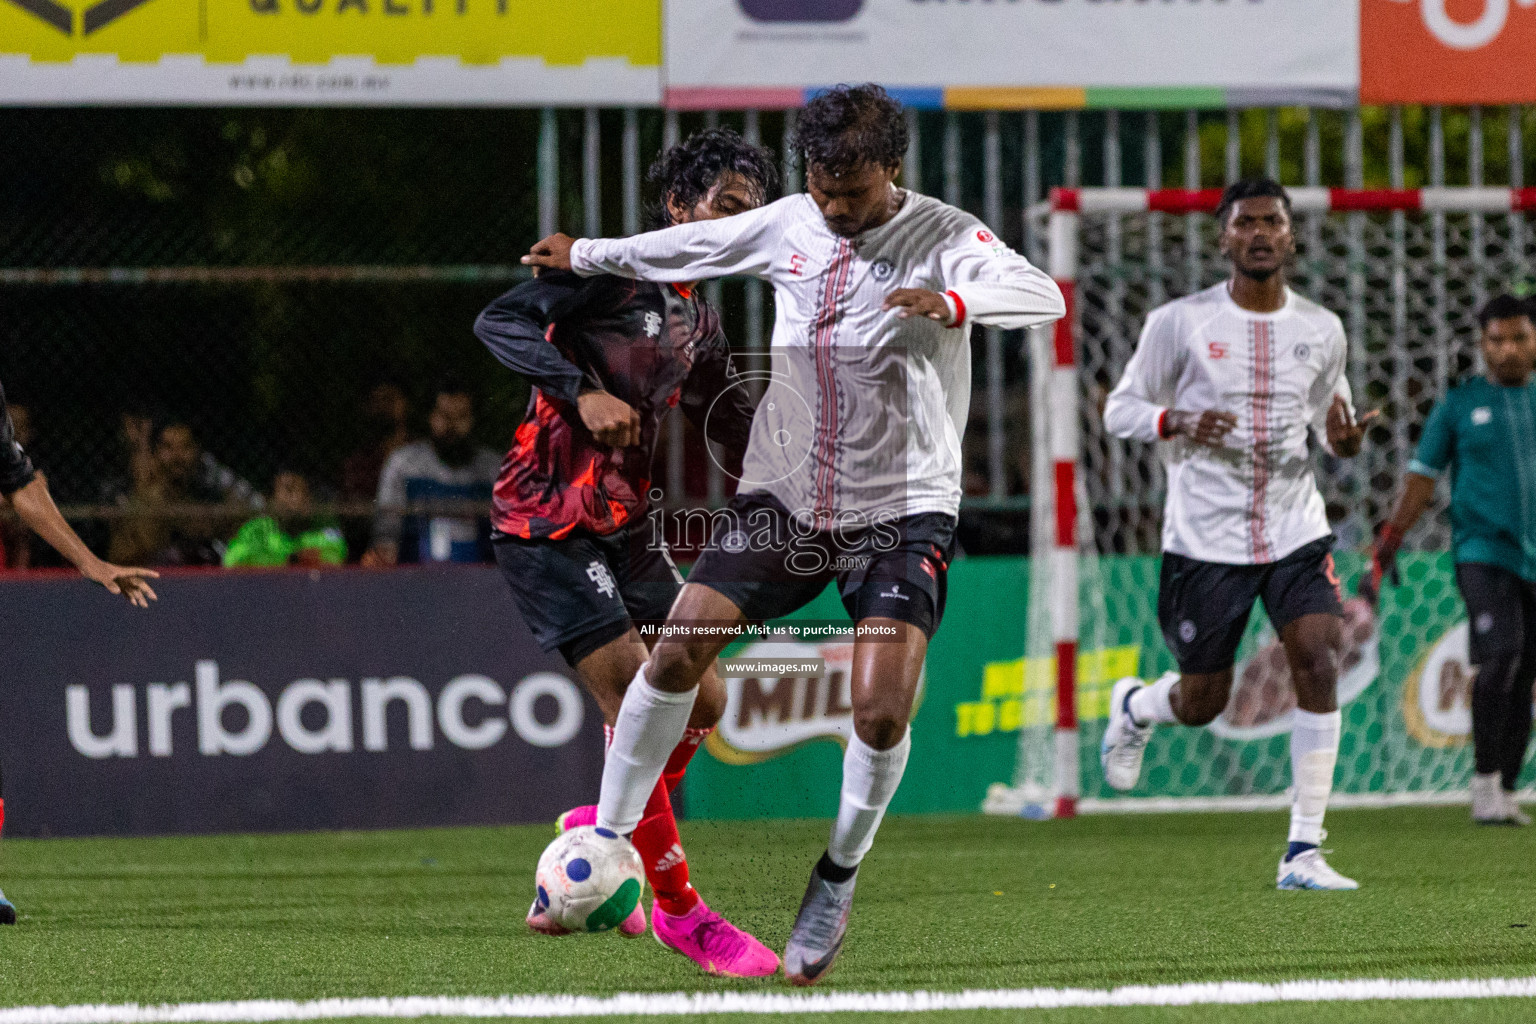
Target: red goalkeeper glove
1383, 563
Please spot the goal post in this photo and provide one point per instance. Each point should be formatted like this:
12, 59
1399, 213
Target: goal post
1406, 269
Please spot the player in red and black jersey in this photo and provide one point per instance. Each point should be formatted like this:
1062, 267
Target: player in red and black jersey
609, 358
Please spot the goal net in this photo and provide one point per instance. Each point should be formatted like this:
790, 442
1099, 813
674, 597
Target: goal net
1407, 271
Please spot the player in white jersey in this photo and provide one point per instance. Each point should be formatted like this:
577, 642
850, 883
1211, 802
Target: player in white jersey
852, 473
1232, 381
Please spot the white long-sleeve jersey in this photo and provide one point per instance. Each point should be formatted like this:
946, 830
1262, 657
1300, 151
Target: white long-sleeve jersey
1253, 500
864, 411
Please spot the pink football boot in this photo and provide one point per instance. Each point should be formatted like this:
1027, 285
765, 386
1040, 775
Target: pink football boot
632, 927
576, 817
712, 942
540, 922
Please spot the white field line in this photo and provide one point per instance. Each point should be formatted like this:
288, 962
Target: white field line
1277, 802
688, 1003
1006, 807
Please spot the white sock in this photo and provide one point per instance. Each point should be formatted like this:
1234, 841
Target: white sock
870, 778
1153, 703
649, 727
1314, 750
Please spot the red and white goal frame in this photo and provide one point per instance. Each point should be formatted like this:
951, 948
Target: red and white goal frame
1057, 536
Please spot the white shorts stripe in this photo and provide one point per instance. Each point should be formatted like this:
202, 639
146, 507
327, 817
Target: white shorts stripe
687, 1003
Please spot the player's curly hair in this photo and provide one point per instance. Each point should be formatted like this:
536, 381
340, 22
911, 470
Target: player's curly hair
688, 170
851, 125
1250, 188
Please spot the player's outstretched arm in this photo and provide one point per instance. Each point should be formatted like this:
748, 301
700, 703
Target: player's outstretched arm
552, 253
35, 506
992, 285
745, 244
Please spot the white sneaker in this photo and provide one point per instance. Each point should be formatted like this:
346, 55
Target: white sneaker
1308, 870
1512, 812
1488, 807
1124, 742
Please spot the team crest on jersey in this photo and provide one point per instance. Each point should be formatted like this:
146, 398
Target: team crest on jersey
734, 543
991, 241
882, 269
1302, 352
1482, 416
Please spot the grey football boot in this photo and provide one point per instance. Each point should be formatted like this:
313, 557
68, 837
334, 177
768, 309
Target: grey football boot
819, 929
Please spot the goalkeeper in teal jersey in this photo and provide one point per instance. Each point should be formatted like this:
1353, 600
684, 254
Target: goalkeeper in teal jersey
1484, 433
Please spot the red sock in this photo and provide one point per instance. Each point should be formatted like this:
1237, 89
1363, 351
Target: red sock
677, 764
666, 866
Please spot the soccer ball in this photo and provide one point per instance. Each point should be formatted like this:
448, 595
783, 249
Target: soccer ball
589, 879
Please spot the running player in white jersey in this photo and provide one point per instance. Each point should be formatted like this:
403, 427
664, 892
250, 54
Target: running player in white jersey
1232, 380
852, 473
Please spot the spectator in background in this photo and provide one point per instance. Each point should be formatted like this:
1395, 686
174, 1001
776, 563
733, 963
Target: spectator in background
447, 467
177, 472
385, 417
385, 424
290, 535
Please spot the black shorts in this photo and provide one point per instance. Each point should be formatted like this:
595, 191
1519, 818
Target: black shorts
581, 592
770, 565
1203, 607
1501, 611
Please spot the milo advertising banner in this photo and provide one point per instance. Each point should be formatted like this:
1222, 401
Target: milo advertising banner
1404, 690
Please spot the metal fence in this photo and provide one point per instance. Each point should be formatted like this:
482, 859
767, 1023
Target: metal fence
255, 273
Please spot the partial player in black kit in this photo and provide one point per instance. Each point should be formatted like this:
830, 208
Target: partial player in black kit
609, 359
28, 494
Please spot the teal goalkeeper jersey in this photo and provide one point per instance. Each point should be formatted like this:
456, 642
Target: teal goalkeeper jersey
1485, 434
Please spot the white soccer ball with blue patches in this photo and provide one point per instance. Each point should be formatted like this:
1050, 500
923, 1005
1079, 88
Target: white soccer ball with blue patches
589, 879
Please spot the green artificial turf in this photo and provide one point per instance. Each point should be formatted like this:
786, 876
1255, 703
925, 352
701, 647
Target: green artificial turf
943, 903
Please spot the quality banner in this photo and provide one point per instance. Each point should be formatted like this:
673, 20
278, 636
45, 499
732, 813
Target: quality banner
1022, 54
1404, 689
382, 52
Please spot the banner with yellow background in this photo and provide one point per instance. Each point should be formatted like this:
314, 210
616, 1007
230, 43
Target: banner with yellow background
388, 52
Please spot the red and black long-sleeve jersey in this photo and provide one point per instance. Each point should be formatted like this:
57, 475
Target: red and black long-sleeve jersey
653, 346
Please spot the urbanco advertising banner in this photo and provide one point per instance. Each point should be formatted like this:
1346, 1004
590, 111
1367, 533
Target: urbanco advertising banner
1404, 689
330, 52
1447, 51
1022, 53
285, 700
